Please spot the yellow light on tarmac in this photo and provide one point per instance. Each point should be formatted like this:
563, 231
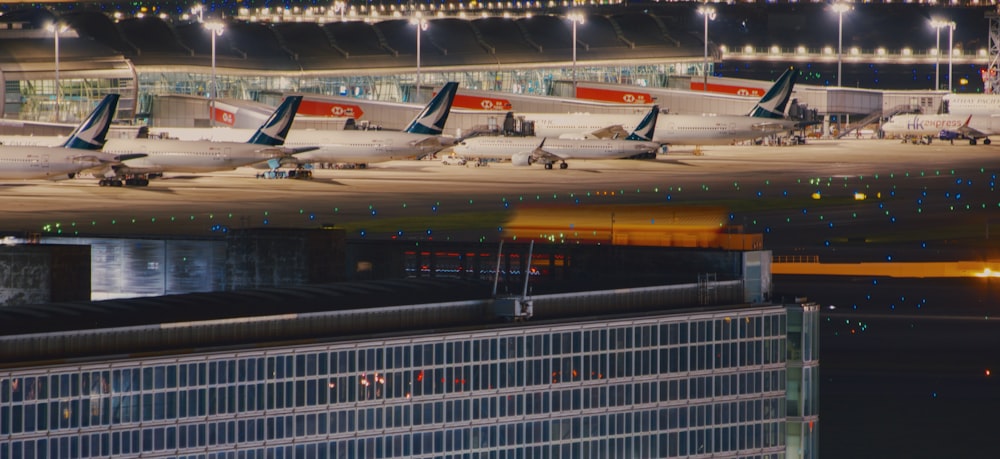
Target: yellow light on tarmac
987, 272
860, 196
817, 195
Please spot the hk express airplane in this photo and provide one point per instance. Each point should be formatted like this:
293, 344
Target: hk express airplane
945, 127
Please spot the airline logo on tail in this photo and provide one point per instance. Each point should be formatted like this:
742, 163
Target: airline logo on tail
431, 120
93, 131
275, 129
772, 105
644, 131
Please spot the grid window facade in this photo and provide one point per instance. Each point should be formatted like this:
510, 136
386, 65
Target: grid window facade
668, 386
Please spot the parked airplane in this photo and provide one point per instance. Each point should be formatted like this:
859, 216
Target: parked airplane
523, 151
420, 137
945, 127
79, 152
203, 156
972, 104
765, 118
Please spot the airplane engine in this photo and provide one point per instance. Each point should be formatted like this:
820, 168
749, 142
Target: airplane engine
948, 135
521, 159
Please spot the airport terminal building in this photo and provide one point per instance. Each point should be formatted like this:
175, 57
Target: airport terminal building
423, 367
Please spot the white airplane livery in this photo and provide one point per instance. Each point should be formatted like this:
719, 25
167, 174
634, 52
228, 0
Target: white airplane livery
79, 152
765, 118
203, 156
945, 127
524, 151
972, 104
420, 137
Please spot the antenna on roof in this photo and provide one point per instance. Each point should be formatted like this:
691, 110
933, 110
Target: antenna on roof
496, 274
514, 308
527, 271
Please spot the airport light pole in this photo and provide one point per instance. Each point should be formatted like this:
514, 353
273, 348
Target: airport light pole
709, 14
575, 18
951, 50
199, 10
215, 28
421, 25
56, 29
840, 9
938, 24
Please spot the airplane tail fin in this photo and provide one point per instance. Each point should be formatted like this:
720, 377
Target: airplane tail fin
93, 131
773, 104
432, 118
644, 130
275, 129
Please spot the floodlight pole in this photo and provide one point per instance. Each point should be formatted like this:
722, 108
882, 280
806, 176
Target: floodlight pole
709, 14
55, 29
215, 28
951, 50
840, 9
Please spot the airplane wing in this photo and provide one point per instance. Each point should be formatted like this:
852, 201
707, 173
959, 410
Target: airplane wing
972, 133
427, 142
128, 156
286, 151
541, 154
297, 150
95, 157
610, 132
538, 154
771, 126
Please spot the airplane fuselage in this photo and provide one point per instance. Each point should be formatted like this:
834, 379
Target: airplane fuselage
332, 146
361, 146
670, 129
190, 156
932, 125
507, 147
922, 125
29, 163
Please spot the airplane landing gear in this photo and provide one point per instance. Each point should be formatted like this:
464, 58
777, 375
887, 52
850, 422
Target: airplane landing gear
563, 165
110, 182
548, 165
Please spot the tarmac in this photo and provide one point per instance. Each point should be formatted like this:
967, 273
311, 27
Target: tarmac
840, 200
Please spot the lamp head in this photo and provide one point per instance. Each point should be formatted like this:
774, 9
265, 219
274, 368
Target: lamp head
215, 27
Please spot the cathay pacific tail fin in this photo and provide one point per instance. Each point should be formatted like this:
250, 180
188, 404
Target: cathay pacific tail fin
275, 129
432, 118
93, 131
773, 104
644, 130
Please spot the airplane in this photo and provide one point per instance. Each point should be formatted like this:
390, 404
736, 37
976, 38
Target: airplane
765, 118
162, 155
79, 152
944, 126
972, 104
420, 137
523, 151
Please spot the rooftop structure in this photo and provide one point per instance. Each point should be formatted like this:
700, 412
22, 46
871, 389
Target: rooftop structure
417, 368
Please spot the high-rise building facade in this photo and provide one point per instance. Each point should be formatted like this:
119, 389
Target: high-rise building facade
680, 383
